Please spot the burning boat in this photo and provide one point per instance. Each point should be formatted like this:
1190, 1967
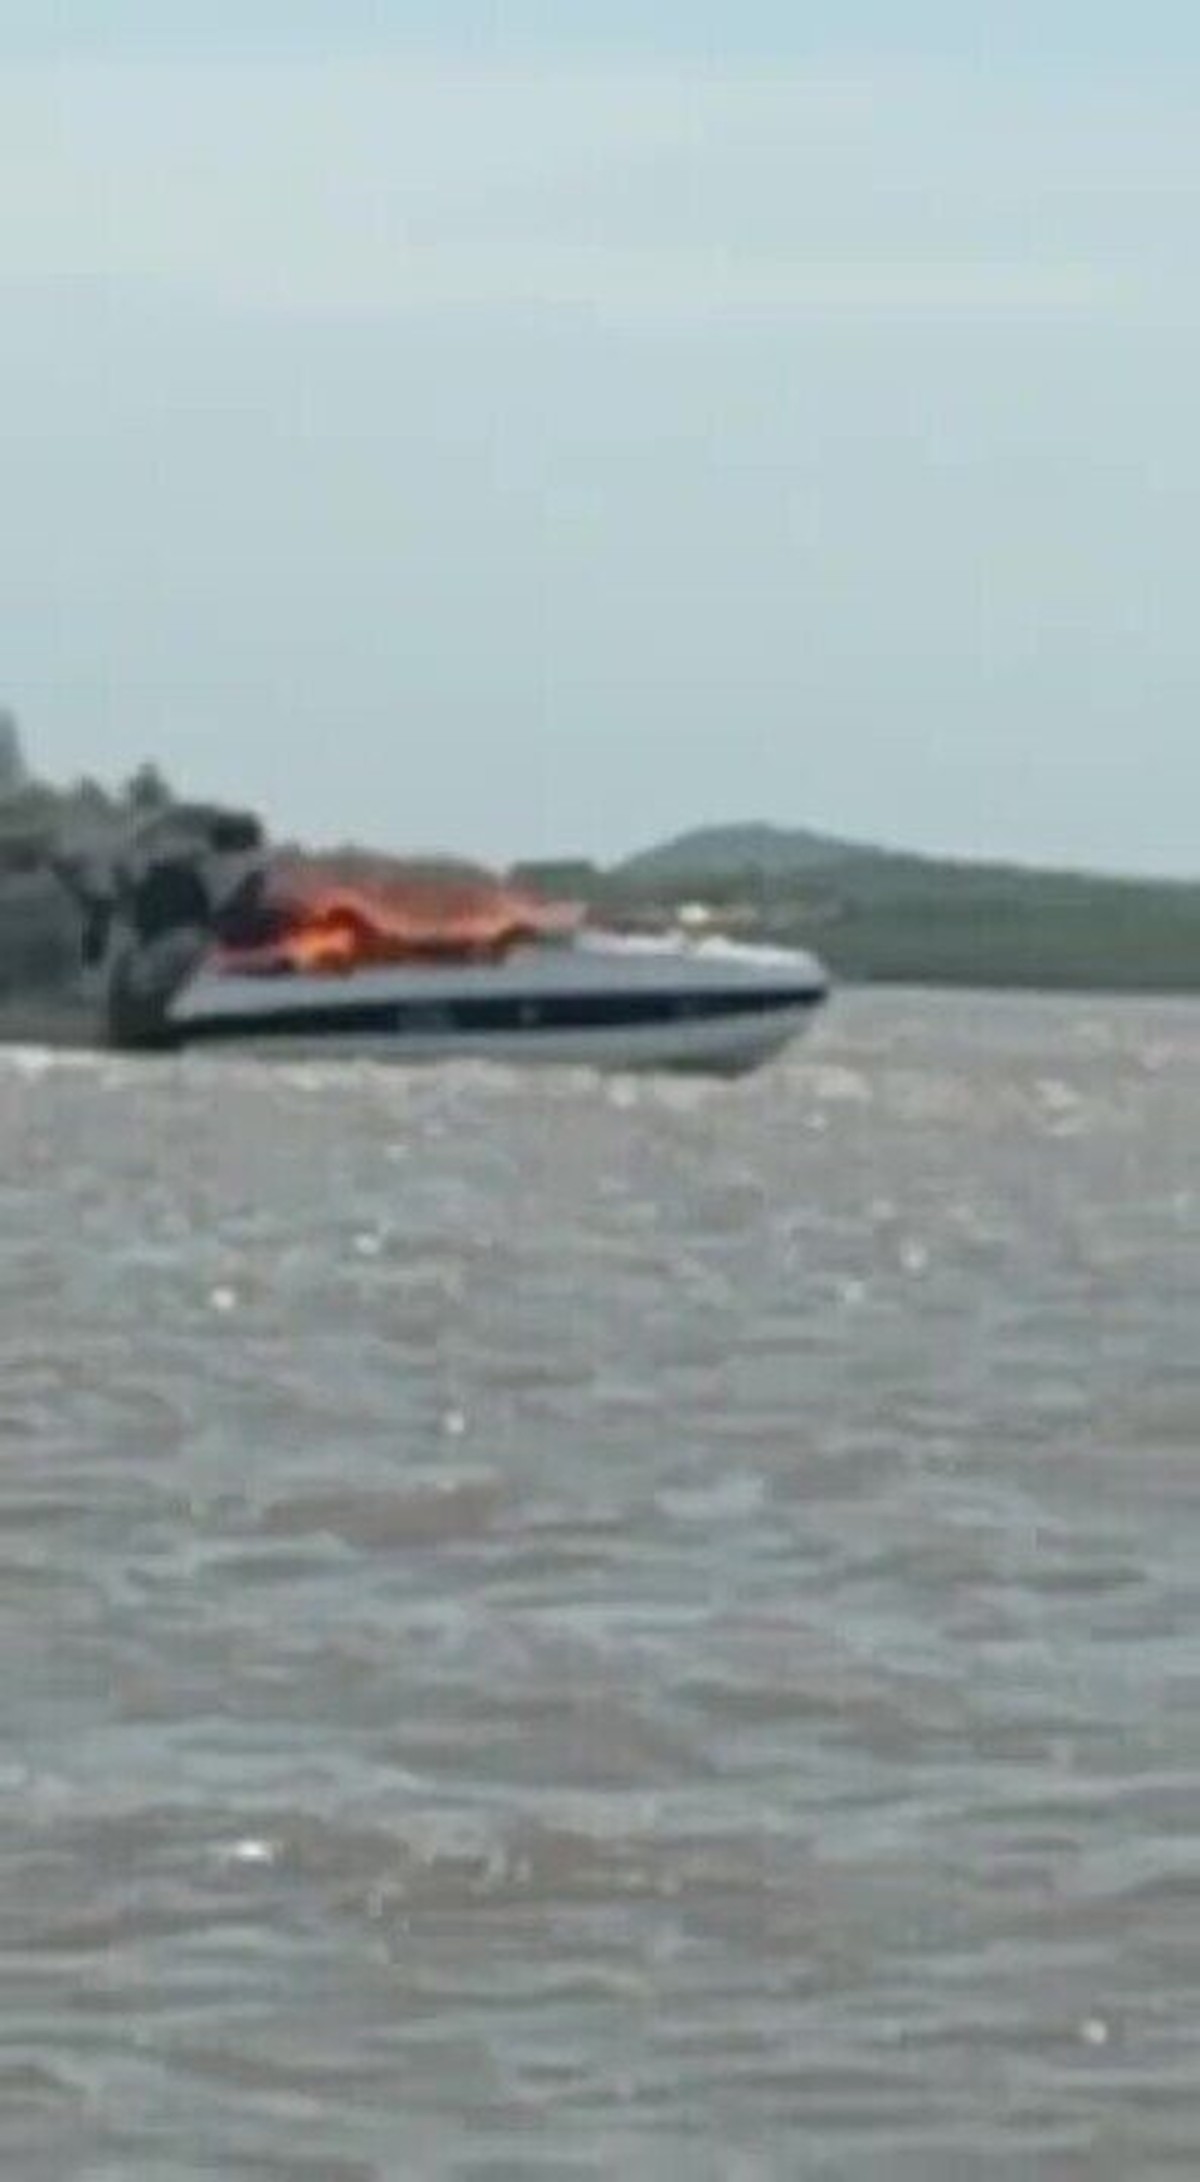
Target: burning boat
206, 941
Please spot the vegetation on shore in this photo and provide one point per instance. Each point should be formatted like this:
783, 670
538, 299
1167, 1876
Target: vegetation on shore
880, 916
874, 915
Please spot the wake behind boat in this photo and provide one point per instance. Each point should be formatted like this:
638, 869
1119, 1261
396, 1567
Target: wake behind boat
207, 943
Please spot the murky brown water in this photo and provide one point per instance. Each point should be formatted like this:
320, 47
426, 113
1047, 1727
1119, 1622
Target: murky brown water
554, 1629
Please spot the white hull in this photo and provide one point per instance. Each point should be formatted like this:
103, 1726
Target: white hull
726, 1049
600, 1005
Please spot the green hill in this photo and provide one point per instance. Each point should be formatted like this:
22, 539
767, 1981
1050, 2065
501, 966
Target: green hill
883, 915
724, 852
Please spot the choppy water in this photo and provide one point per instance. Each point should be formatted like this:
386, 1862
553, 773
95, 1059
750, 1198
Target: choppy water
575, 1629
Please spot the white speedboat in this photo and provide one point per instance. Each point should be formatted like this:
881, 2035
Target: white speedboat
597, 1000
201, 942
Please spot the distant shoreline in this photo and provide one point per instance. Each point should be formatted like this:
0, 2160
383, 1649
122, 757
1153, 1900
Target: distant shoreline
875, 916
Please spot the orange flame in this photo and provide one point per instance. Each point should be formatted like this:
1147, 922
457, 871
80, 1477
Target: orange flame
333, 930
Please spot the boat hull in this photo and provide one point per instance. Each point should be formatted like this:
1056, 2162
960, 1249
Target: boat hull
616, 1010
704, 1048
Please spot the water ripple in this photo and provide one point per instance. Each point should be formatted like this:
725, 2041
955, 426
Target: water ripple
593, 1629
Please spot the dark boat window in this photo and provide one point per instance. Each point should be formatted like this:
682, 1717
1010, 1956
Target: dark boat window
428, 1018
489, 1012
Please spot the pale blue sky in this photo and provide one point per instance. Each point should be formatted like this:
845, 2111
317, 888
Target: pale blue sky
496, 428
1034, 30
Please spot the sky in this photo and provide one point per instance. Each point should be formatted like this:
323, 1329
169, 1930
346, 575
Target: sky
509, 429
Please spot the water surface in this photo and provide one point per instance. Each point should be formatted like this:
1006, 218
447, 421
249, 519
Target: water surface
556, 1628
